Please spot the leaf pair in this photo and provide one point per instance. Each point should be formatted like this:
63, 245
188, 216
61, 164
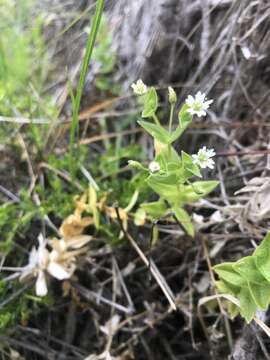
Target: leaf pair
160, 133
248, 279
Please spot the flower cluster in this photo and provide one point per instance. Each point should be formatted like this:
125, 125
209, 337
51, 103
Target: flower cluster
197, 105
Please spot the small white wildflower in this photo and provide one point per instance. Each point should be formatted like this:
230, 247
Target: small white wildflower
172, 95
154, 166
139, 87
198, 104
203, 158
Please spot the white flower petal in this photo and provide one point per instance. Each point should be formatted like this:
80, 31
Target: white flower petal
200, 97
190, 100
41, 286
33, 257
207, 103
57, 271
201, 113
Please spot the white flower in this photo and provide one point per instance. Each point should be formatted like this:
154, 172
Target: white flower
139, 87
203, 158
198, 105
154, 166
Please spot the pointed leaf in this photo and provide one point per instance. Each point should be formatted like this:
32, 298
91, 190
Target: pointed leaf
166, 187
198, 190
155, 209
246, 267
247, 304
157, 131
260, 295
227, 288
226, 272
189, 166
262, 257
150, 103
184, 219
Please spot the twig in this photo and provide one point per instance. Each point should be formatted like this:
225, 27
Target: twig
154, 270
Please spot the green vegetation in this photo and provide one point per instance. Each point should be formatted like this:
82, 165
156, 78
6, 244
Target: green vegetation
247, 279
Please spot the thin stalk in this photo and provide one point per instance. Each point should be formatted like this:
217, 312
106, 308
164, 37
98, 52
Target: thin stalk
171, 118
156, 119
170, 127
87, 57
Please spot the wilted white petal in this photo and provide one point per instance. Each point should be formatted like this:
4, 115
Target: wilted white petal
57, 271
41, 286
33, 257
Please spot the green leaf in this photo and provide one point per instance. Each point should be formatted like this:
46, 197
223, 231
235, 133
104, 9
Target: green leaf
262, 257
137, 165
226, 272
198, 190
168, 156
260, 295
166, 187
246, 267
189, 166
150, 103
184, 117
233, 310
155, 209
249, 277
184, 219
157, 131
227, 288
247, 304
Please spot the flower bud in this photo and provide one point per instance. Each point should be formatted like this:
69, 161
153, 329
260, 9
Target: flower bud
154, 166
139, 88
172, 95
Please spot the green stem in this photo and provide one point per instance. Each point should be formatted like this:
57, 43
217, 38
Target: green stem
156, 119
87, 57
171, 118
170, 128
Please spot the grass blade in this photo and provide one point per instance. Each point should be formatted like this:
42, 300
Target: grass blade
95, 22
